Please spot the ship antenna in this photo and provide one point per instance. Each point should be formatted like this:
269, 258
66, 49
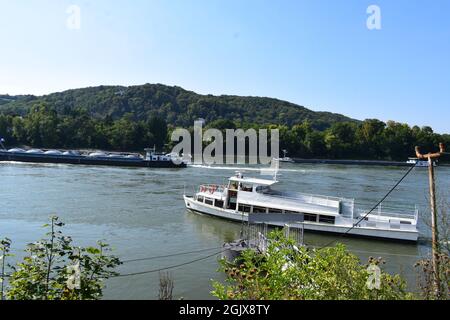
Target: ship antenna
276, 167
1, 143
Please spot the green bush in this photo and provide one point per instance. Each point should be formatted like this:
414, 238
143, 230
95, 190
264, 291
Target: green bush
289, 273
54, 269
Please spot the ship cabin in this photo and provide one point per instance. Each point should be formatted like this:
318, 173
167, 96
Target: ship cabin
252, 195
242, 197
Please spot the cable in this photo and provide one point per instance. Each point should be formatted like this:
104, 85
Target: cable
381, 254
374, 207
170, 255
158, 257
160, 269
169, 267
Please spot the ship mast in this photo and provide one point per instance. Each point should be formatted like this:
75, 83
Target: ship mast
1, 143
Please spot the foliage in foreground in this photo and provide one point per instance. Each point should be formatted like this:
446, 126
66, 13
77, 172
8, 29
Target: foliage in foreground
54, 269
427, 280
425, 268
289, 273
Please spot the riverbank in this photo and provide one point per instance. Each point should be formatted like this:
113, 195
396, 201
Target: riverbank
358, 162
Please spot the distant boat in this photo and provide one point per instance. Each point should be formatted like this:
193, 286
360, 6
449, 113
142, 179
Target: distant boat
285, 158
420, 163
152, 159
244, 196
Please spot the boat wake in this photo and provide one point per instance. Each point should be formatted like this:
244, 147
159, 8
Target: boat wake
233, 168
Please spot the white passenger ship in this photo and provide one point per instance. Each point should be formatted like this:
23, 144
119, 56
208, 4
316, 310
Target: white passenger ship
243, 196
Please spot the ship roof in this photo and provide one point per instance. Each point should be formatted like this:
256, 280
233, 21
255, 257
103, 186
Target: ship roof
255, 181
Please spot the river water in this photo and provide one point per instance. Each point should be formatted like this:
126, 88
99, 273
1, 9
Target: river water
141, 213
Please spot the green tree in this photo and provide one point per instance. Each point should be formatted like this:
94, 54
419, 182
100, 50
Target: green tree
370, 139
54, 269
286, 272
122, 133
157, 129
340, 140
5, 247
315, 143
6, 128
41, 126
425, 138
399, 141
77, 130
19, 133
222, 124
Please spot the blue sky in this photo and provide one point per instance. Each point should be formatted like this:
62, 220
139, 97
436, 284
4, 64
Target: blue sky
319, 54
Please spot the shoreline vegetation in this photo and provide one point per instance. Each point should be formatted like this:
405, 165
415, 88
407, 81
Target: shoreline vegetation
288, 272
53, 268
130, 119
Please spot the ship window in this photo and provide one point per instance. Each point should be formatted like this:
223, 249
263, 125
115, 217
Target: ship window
199, 198
291, 212
219, 203
209, 201
275, 210
246, 187
310, 217
327, 219
233, 185
262, 189
244, 208
405, 222
259, 210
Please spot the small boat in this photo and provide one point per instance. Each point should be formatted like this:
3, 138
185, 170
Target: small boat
152, 159
244, 196
284, 158
420, 163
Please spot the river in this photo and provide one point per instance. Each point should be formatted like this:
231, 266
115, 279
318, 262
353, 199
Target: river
141, 213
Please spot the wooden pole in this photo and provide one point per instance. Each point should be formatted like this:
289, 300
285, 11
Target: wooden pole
434, 228
433, 206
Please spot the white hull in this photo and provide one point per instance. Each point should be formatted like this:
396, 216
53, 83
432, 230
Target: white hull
404, 235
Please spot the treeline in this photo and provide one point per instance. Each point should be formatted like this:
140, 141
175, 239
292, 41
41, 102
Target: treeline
44, 127
370, 139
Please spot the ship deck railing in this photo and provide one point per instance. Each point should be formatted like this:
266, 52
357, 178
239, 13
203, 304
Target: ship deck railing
207, 188
388, 225
304, 205
386, 212
320, 200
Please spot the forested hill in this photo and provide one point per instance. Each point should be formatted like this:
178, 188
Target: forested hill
4, 99
177, 106
132, 118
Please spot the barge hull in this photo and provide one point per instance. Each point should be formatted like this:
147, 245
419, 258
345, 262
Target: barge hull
85, 160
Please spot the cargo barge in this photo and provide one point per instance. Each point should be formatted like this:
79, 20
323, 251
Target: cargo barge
152, 159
